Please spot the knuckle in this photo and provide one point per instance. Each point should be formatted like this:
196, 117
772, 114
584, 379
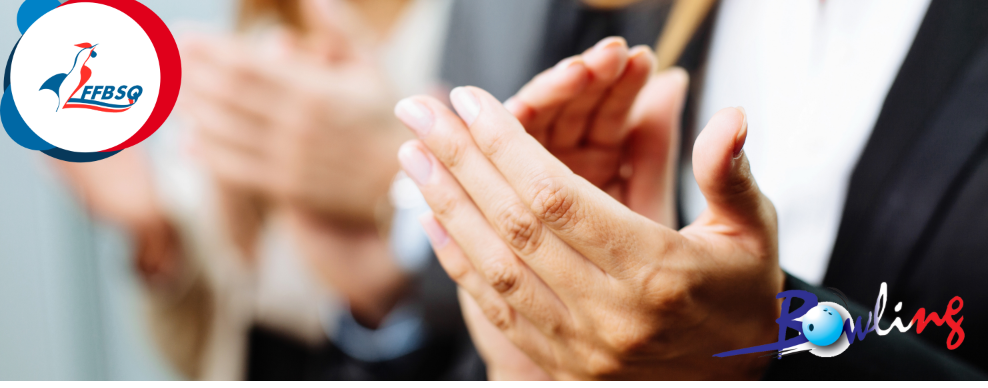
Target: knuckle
628, 339
520, 228
458, 270
554, 203
495, 142
443, 204
617, 244
669, 296
499, 314
743, 184
610, 119
602, 365
740, 188
502, 274
573, 120
674, 300
555, 327
455, 152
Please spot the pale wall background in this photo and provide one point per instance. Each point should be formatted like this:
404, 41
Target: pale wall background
69, 302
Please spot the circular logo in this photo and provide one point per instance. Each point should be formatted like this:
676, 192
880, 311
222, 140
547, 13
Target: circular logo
88, 78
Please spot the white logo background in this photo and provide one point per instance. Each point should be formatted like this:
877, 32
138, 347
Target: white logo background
124, 56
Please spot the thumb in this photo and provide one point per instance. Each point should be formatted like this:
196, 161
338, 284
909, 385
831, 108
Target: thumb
724, 175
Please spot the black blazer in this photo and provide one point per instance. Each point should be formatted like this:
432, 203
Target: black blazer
916, 214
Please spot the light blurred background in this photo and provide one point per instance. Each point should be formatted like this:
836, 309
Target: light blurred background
69, 301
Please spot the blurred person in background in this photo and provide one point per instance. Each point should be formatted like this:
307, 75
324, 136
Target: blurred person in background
919, 96
292, 123
281, 248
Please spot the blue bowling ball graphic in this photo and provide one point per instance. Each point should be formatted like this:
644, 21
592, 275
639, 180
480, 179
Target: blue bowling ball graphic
822, 325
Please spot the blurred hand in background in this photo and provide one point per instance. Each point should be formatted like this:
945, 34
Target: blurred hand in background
307, 122
120, 189
300, 122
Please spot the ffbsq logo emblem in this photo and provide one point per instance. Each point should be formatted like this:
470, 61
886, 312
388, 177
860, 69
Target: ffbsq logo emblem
88, 78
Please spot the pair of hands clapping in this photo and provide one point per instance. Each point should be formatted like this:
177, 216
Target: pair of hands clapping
561, 237
299, 117
298, 126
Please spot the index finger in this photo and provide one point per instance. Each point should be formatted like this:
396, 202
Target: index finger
538, 103
608, 126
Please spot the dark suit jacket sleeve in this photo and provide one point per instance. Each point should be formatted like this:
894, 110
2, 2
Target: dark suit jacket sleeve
896, 356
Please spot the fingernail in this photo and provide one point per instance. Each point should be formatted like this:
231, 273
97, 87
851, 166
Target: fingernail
681, 74
510, 104
609, 43
436, 232
415, 163
742, 134
638, 50
416, 116
643, 51
466, 104
568, 62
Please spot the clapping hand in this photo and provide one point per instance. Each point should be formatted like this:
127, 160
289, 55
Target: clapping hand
573, 277
610, 119
308, 123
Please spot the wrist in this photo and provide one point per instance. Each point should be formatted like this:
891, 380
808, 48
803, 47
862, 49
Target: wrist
408, 246
371, 307
385, 284
354, 261
753, 367
157, 252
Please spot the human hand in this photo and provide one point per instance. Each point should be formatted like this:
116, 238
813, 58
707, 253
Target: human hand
601, 113
504, 361
610, 120
120, 190
586, 287
317, 133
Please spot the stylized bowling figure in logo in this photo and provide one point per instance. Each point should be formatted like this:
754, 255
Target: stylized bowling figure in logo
65, 85
62, 99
